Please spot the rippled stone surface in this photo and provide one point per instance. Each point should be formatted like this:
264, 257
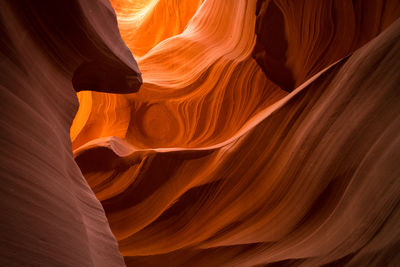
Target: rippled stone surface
255, 137
265, 132
49, 214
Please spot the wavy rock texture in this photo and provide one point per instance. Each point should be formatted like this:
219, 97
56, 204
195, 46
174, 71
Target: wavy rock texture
49, 214
214, 163
296, 39
247, 145
152, 21
192, 93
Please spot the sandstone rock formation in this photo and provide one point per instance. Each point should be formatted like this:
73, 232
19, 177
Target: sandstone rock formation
214, 163
49, 214
266, 133
296, 39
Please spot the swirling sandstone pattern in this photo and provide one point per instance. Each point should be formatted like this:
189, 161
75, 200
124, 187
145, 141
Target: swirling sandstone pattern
49, 214
266, 133
296, 39
213, 163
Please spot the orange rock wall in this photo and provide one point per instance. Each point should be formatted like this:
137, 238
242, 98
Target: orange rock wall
264, 133
250, 143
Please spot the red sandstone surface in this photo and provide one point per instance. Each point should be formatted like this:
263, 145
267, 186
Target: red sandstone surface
208, 133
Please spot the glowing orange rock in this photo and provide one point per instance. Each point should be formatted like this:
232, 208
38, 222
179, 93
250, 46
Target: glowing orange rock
212, 163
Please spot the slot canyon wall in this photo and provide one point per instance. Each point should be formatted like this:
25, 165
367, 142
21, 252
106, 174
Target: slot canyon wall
264, 133
49, 214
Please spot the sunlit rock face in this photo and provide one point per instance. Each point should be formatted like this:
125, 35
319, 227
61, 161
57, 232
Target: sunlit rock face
49, 214
196, 89
265, 133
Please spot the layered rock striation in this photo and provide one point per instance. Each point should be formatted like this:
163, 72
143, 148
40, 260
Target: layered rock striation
265, 133
49, 214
